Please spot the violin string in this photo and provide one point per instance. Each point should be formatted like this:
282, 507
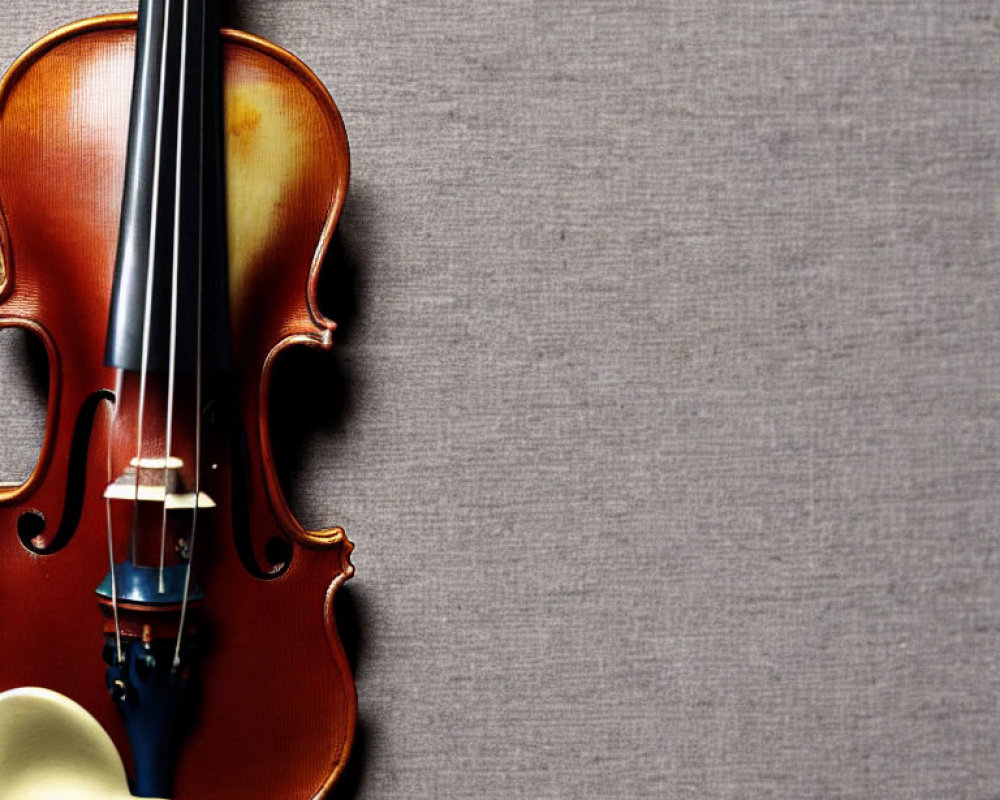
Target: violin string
172, 362
198, 386
112, 425
150, 269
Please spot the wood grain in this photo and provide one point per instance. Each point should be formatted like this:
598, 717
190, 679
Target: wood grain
278, 708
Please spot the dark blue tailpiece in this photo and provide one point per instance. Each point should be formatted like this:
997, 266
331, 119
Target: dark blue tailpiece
153, 695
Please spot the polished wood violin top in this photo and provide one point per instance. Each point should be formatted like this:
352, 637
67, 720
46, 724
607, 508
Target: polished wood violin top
269, 703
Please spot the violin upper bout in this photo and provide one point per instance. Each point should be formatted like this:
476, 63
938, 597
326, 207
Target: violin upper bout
287, 167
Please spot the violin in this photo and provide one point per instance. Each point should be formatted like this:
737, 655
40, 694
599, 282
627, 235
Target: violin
168, 191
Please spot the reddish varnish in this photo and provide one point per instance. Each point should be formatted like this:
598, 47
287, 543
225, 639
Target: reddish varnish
276, 711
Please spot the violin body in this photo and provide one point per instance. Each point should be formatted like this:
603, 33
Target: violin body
275, 709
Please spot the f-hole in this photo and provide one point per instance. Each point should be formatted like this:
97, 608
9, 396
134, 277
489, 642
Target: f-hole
277, 550
31, 524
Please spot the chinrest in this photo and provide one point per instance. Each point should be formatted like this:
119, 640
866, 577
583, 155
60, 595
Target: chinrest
51, 748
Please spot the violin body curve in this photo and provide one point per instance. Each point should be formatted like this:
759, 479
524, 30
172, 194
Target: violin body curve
276, 701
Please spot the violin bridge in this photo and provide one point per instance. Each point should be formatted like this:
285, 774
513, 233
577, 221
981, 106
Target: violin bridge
172, 463
165, 493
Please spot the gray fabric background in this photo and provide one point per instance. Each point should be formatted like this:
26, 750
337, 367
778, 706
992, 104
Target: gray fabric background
666, 414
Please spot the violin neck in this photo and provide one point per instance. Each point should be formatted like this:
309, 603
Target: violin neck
169, 302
